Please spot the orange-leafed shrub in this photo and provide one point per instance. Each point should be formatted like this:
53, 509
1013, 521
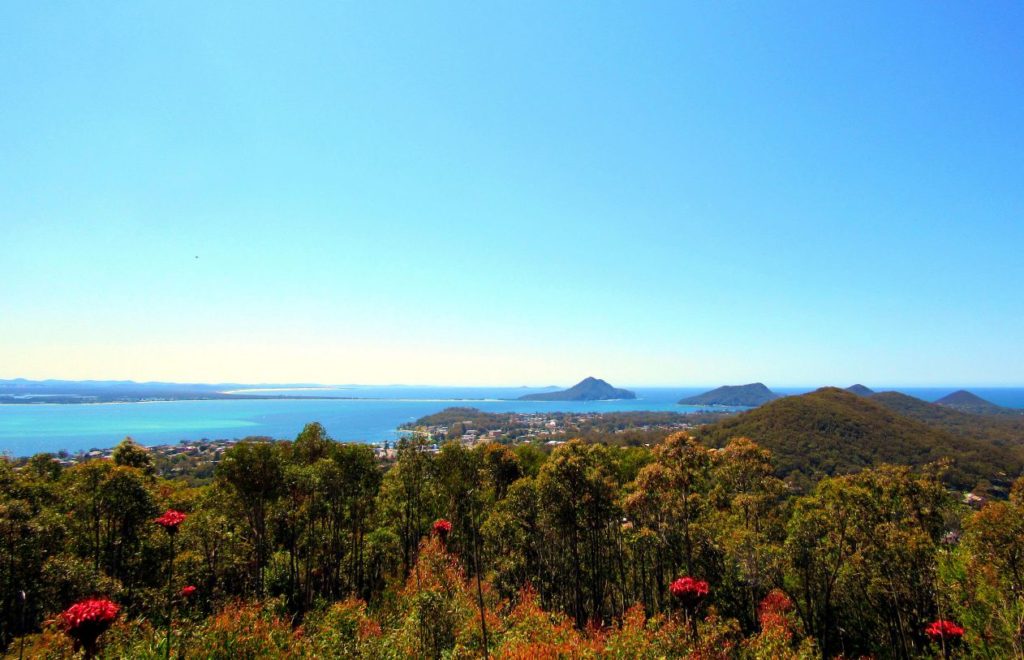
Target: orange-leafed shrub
528, 631
246, 630
779, 627
343, 629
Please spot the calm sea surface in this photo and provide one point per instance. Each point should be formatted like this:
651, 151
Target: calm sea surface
31, 428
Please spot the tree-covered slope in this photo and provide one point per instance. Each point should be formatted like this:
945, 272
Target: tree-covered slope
999, 429
831, 431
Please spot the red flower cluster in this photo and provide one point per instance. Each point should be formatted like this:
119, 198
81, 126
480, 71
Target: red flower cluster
86, 620
944, 629
170, 520
90, 611
188, 592
689, 591
442, 527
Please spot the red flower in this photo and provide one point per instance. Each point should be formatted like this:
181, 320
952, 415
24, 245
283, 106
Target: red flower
188, 592
86, 620
92, 610
442, 527
689, 591
944, 629
170, 520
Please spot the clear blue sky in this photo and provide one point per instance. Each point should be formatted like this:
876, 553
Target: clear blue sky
477, 193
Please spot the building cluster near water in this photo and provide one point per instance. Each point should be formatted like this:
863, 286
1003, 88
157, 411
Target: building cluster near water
541, 428
528, 427
200, 450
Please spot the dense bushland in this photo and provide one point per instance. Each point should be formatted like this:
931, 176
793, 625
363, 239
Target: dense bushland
313, 548
831, 431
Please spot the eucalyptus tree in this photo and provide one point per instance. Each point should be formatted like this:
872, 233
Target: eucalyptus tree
406, 504
748, 527
668, 506
861, 560
253, 473
579, 517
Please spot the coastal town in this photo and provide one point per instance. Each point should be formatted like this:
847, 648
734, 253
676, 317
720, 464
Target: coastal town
548, 428
209, 450
468, 426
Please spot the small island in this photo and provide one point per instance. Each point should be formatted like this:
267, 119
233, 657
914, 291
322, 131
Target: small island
750, 395
588, 389
969, 402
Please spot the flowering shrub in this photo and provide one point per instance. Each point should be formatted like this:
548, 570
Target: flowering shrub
188, 592
170, 520
689, 591
341, 630
246, 630
442, 528
85, 621
780, 635
636, 636
529, 631
773, 610
943, 630
436, 600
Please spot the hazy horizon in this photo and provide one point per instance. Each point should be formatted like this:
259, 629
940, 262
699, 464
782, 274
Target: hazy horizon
505, 385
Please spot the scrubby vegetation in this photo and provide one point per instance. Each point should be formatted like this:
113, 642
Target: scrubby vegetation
314, 548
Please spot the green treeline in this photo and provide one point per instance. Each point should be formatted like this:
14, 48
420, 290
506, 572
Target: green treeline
314, 548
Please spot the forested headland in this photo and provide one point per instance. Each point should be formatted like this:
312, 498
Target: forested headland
694, 546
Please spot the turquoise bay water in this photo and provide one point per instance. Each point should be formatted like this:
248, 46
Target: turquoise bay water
31, 428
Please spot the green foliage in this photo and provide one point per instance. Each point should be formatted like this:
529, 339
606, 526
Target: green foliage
577, 516
314, 548
832, 432
981, 579
1002, 430
861, 556
130, 454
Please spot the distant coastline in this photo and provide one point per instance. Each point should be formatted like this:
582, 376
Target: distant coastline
319, 388
357, 414
90, 400
39, 400
24, 392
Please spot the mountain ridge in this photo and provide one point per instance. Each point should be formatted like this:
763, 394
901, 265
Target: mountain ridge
831, 431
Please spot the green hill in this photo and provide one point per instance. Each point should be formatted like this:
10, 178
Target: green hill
753, 394
588, 389
1006, 430
860, 389
831, 431
969, 402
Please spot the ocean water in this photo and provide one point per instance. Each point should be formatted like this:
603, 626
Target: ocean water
371, 415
